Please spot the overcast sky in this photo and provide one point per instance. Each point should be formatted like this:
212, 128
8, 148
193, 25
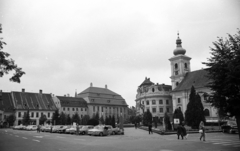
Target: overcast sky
63, 46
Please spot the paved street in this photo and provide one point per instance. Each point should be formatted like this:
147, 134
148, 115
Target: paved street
133, 140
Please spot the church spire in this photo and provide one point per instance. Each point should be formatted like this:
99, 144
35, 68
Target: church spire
179, 50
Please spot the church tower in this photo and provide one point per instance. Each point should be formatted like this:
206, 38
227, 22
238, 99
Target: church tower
180, 64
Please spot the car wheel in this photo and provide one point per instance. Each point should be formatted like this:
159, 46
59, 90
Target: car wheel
83, 133
113, 133
100, 134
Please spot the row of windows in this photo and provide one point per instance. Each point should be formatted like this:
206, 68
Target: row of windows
161, 110
154, 102
73, 109
185, 66
34, 114
115, 109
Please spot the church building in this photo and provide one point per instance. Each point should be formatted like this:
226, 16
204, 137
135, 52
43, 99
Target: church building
182, 79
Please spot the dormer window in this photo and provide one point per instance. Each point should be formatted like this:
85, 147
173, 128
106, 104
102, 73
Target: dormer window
25, 105
37, 106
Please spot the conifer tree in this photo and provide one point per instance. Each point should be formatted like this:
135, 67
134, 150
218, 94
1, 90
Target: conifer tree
178, 115
26, 118
194, 113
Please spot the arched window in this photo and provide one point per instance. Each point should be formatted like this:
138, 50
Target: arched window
177, 83
206, 112
185, 65
176, 66
147, 102
153, 102
153, 90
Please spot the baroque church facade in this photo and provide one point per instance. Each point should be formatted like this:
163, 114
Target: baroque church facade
177, 94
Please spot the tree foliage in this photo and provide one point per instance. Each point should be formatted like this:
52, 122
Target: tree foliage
224, 72
26, 118
178, 115
56, 118
194, 113
147, 118
63, 119
113, 122
42, 119
76, 118
11, 119
8, 64
85, 119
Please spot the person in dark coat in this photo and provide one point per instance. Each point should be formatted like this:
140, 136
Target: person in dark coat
202, 128
180, 131
150, 128
77, 130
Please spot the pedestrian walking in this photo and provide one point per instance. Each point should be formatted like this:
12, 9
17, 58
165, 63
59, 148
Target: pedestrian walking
184, 132
202, 131
38, 129
150, 128
180, 131
136, 125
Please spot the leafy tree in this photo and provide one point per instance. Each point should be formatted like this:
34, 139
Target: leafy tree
167, 122
178, 115
76, 118
194, 113
26, 118
8, 64
147, 118
85, 119
96, 117
42, 119
224, 73
69, 120
56, 118
11, 119
93, 122
63, 119
107, 120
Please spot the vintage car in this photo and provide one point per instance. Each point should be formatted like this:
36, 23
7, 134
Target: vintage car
230, 126
101, 130
55, 128
31, 128
72, 130
84, 129
63, 129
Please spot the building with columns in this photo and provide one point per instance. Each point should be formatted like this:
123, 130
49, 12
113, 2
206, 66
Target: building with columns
104, 102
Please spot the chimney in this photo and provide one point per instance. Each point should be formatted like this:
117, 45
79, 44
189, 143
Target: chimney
40, 91
91, 84
23, 90
105, 86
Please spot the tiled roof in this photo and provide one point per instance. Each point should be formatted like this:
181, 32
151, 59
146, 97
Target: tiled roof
6, 104
72, 102
146, 82
98, 90
102, 96
33, 101
198, 79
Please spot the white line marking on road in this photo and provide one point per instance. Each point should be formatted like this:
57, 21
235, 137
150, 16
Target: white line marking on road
60, 137
36, 140
38, 136
80, 139
24, 137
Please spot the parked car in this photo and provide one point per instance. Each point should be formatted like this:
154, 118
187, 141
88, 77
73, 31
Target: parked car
230, 127
31, 128
84, 129
72, 130
55, 128
101, 130
46, 128
62, 129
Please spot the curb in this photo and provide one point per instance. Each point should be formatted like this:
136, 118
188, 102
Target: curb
161, 132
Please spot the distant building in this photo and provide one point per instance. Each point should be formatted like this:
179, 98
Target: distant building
104, 102
71, 105
154, 97
18, 103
